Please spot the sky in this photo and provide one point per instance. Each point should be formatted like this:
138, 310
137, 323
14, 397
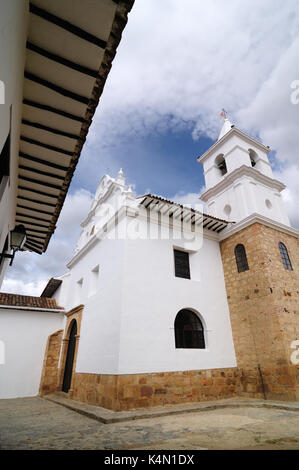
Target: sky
178, 64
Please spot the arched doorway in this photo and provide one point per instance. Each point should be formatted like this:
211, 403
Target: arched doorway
68, 369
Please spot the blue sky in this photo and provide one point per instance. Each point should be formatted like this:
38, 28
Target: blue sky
178, 64
164, 163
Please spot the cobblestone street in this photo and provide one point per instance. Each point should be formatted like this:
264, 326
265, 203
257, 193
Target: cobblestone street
35, 423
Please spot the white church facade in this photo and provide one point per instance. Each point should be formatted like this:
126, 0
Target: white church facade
165, 303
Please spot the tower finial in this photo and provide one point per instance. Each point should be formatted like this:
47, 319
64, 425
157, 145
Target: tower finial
120, 177
223, 114
226, 125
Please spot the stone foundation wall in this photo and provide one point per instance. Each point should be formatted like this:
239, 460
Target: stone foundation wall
263, 303
49, 376
124, 392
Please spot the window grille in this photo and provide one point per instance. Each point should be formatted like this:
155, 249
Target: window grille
241, 258
285, 256
189, 332
181, 264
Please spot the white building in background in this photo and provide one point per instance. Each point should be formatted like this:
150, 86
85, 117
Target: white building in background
55, 57
123, 272
151, 292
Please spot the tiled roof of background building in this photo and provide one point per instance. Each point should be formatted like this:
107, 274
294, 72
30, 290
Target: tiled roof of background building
28, 301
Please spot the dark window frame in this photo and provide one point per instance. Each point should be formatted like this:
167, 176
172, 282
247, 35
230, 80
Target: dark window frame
181, 264
241, 258
285, 257
5, 159
189, 331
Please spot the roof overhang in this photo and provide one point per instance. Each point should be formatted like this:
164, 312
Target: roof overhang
184, 213
70, 48
51, 287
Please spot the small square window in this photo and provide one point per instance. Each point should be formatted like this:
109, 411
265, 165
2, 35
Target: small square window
181, 264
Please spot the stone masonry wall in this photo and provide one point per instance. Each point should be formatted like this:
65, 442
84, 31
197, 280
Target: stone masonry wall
124, 392
49, 377
264, 311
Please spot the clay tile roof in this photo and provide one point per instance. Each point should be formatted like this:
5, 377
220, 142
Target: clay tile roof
51, 287
160, 198
28, 301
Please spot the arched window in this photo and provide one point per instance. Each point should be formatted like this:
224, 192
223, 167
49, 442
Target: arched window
285, 256
253, 157
241, 258
221, 164
189, 332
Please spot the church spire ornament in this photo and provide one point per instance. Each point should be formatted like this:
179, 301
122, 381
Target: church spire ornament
121, 178
223, 114
227, 125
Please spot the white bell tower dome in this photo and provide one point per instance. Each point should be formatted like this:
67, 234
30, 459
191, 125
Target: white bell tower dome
239, 178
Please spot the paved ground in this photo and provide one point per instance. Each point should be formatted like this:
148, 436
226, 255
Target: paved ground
35, 423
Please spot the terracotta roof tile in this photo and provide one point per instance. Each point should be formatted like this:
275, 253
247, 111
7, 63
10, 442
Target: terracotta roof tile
28, 301
51, 287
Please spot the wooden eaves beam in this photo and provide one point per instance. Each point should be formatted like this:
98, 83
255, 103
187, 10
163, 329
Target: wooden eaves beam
37, 125
35, 201
34, 242
67, 26
40, 172
50, 109
208, 225
34, 210
42, 183
34, 230
222, 228
43, 162
62, 60
42, 193
21, 214
31, 247
33, 234
46, 146
28, 222
58, 89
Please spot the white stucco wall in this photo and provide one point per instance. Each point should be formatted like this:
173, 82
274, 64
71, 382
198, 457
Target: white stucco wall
13, 31
246, 196
128, 324
152, 297
24, 334
100, 292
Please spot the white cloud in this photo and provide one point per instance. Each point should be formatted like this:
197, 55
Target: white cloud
290, 195
178, 64
30, 272
190, 199
181, 64
22, 287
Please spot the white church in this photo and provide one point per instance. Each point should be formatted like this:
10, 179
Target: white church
160, 301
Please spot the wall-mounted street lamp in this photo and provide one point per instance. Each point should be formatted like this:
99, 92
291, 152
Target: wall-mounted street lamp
17, 240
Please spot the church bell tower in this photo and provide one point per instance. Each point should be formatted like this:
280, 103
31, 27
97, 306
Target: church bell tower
260, 262
239, 178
